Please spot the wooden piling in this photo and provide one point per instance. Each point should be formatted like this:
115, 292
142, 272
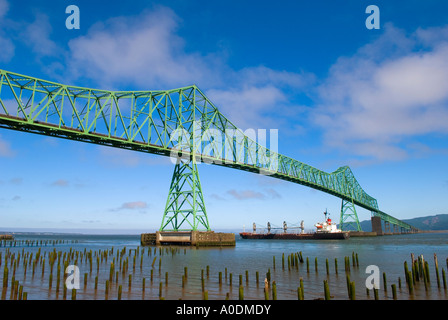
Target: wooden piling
274, 290
266, 289
289, 263
283, 261
436, 266
85, 280
394, 291
443, 278
50, 281
241, 293
427, 272
302, 291
5, 276
106, 290
326, 290
375, 293
352, 291
347, 278
406, 271
410, 283
307, 265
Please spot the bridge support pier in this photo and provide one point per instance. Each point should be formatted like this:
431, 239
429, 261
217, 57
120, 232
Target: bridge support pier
376, 225
386, 227
185, 206
189, 238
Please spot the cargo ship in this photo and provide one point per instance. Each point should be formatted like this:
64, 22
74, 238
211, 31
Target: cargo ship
324, 230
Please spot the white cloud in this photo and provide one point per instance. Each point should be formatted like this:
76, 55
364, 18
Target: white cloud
260, 97
246, 194
4, 7
37, 36
251, 194
6, 45
135, 205
7, 49
5, 149
374, 100
246, 106
146, 52
139, 50
60, 183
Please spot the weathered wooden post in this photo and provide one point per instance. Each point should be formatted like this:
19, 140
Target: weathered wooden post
326, 290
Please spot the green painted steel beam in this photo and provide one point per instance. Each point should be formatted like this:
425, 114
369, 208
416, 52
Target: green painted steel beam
162, 122
349, 217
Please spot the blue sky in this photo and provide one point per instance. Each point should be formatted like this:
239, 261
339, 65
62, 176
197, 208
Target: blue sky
339, 94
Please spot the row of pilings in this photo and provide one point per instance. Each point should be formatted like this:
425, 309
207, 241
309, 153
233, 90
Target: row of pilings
159, 273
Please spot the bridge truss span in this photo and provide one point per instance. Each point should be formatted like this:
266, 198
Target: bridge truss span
182, 123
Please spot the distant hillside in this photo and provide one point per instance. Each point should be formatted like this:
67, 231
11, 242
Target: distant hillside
437, 222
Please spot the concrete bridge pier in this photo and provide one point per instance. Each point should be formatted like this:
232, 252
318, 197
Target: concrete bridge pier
189, 238
377, 226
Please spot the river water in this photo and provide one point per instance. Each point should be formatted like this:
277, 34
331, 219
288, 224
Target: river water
248, 257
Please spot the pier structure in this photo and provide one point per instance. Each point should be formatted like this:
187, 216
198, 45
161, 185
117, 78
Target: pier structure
191, 238
6, 237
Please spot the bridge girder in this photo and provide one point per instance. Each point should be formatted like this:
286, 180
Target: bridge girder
163, 122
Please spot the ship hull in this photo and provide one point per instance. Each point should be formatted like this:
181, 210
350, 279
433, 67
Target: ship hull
297, 236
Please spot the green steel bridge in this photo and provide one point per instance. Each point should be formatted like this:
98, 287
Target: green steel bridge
180, 123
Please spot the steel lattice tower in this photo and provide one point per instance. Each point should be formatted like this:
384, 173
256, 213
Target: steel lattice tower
349, 218
185, 207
